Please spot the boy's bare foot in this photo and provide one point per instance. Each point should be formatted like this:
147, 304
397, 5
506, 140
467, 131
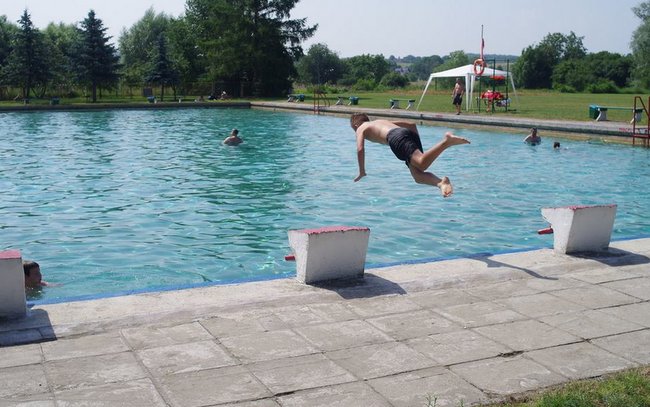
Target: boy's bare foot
445, 187
452, 140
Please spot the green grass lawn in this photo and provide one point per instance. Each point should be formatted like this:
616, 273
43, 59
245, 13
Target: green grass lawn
532, 103
626, 389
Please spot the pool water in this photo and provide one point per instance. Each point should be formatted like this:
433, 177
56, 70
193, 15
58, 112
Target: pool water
110, 202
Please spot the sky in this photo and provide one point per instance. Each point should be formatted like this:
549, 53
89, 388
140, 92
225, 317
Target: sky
394, 27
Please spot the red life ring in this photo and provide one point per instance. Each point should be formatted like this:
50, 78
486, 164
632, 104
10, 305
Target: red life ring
481, 64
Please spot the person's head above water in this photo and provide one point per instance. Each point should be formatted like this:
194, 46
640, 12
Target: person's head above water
33, 277
357, 119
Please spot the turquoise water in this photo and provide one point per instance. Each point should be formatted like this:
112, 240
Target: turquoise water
113, 201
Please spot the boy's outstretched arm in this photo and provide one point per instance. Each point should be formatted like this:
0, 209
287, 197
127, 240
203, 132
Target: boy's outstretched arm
361, 155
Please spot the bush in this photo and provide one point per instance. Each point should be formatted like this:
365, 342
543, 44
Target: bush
347, 81
394, 80
365, 84
564, 88
602, 86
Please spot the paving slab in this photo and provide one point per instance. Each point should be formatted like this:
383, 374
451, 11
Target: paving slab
633, 346
458, 347
185, 357
343, 395
506, 376
21, 355
267, 346
590, 324
638, 313
636, 287
232, 325
155, 336
288, 375
413, 324
480, 313
527, 335
23, 336
211, 387
314, 314
342, 335
91, 345
391, 304
93, 371
604, 275
442, 298
540, 304
580, 360
19, 381
255, 403
422, 387
141, 393
41, 400
507, 289
595, 297
385, 359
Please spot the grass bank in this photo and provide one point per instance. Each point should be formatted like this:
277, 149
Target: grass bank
626, 389
537, 104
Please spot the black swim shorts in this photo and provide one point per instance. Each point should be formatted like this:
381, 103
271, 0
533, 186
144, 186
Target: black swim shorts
458, 100
403, 142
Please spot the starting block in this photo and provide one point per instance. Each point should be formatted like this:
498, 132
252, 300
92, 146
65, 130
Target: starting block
12, 285
329, 253
581, 228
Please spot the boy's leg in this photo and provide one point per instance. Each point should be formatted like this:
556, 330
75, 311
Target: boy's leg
428, 178
424, 160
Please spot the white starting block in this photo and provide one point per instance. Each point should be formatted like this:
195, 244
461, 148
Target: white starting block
581, 228
12, 285
329, 253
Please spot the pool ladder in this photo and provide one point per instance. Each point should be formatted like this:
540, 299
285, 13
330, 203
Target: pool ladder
320, 99
641, 132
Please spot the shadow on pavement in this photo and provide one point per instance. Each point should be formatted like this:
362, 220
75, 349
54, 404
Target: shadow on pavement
366, 287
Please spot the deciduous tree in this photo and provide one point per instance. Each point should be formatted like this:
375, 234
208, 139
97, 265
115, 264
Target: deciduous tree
319, 66
249, 41
640, 45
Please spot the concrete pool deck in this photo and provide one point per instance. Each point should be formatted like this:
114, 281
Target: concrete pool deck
614, 131
475, 329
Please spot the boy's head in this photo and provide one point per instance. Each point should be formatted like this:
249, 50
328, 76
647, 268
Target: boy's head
234, 132
32, 272
357, 119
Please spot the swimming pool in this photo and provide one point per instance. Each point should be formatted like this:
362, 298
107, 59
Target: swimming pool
115, 201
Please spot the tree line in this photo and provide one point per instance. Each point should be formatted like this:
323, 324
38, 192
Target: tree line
244, 47
253, 48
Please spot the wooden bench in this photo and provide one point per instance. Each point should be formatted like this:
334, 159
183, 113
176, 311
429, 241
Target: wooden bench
296, 98
352, 100
599, 113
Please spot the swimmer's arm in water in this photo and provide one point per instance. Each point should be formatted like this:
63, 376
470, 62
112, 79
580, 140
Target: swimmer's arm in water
361, 154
